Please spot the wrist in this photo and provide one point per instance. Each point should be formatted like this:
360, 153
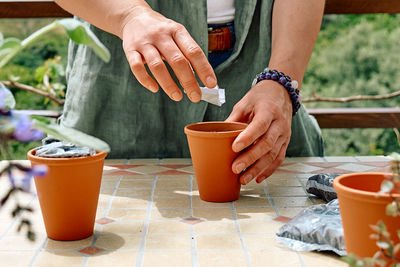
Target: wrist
131, 14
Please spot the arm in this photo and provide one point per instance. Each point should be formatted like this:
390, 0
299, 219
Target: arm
148, 38
267, 106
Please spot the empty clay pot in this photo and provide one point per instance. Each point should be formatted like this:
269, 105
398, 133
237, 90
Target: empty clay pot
68, 194
360, 208
210, 145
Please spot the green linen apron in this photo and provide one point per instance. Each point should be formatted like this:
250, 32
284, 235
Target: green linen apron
106, 100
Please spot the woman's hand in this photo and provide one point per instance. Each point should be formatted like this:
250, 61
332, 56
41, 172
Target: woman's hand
148, 38
268, 110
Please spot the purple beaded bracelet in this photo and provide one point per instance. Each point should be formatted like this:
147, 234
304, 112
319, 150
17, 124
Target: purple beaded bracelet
289, 84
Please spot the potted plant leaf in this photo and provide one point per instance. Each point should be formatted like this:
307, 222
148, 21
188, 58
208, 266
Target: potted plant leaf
69, 188
370, 208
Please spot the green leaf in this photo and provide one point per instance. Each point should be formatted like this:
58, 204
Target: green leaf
39, 73
81, 34
383, 244
350, 259
1, 39
391, 209
71, 135
9, 98
386, 187
11, 43
395, 156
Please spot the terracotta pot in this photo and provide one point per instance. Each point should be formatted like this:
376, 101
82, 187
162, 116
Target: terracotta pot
68, 194
360, 208
210, 145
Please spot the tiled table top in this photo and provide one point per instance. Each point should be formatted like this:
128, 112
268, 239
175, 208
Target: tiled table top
150, 214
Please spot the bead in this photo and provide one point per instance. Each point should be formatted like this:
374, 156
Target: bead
275, 76
281, 74
295, 84
275, 71
282, 80
288, 78
288, 85
262, 76
266, 70
268, 76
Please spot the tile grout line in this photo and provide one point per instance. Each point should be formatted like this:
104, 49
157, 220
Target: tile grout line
195, 259
37, 252
95, 236
239, 232
304, 189
266, 191
140, 256
303, 264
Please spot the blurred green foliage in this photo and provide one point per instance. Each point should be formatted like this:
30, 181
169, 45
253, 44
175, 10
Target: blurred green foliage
356, 55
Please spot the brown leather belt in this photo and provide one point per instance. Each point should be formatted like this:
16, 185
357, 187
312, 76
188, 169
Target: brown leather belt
219, 39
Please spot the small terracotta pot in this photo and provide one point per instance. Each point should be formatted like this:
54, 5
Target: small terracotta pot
210, 145
360, 208
68, 194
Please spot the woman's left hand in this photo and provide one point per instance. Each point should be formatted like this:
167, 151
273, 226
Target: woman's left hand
267, 109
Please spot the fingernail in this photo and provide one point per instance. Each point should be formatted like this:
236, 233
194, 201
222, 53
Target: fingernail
194, 96
238, 147
176, 96
247, 178
240, 167
211, 82
154, 89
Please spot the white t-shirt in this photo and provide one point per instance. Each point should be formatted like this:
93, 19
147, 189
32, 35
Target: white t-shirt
220, 11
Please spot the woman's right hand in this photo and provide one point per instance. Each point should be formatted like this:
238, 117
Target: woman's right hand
149, 38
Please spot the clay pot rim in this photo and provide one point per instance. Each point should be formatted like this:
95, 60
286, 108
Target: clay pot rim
214, 134
62, 161
356, 193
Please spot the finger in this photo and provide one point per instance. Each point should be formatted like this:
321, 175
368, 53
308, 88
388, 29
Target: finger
195, 56
263, 164
274, 165
137, 66
257, 127
262, 146
160, 72
238, 114
182, 69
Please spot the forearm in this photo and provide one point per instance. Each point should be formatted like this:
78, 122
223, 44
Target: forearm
295, 27
110, 16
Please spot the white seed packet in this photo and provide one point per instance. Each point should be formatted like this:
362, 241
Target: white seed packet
214, 95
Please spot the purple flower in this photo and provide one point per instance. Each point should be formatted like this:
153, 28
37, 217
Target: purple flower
26, 182
23, 129
2, 99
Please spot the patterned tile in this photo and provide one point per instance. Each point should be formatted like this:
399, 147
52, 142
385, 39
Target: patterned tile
121, 173
373, 158
174, 166
104, 220
282, 219
324, 165
192, 220
171, 172
90, 250
300, 167
355, 167
340, 159
123, 167
331, 170
307, 159
187, 169
149, 169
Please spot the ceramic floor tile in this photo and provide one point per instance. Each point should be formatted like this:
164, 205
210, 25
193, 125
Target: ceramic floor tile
107, 190
54, 245
188, 169
161, 258
173, 182
262, 242
176, 161
314, 259
143, 161
198, 203
168, 241
300, 167
170, 193
136, 183
16, 258
115, 162
286, 191
128, 203
215, 227
255, 213
292, 201
128, 214
114, 242
218, 242
169, 214
355, 167
341, 159
252, 201
103, 201
124, 228
307, 159
235, 258
20, 242
275, 258
149, 169
113, 259
283, 181
58, 259
259, 226
171, 203
109, 182
373, 159
213, 214
133, 193
168, 227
